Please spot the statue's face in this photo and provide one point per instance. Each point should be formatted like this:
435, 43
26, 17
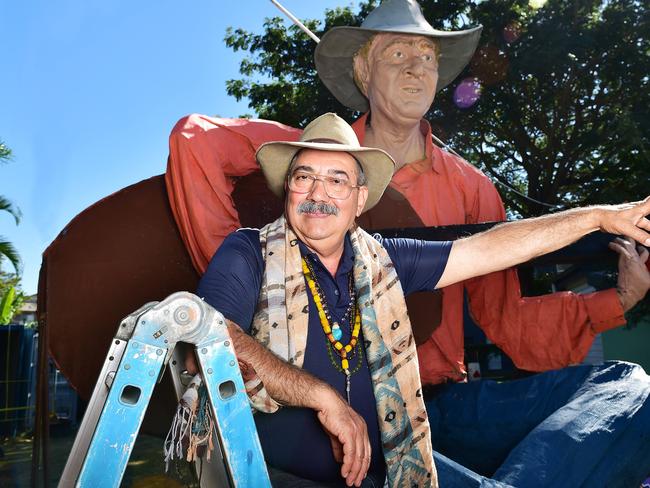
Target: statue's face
402, 75
336, 215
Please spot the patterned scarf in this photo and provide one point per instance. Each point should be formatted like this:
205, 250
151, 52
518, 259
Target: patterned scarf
281, 323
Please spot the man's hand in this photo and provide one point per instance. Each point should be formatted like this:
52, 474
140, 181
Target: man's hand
633, 276
292, 386
629, 219
349, 436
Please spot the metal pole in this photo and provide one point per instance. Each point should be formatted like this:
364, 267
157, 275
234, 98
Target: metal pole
296, 21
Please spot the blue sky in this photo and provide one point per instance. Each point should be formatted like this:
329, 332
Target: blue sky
90, 90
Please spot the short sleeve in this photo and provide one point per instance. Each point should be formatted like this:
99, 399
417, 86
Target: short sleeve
232, 281
419, 264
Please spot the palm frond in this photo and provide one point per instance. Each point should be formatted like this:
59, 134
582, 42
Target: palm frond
5, 152
8, 206
8, 251
6, 308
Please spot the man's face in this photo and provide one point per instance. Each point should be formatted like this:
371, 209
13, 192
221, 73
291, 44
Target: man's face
315, 216
402, 75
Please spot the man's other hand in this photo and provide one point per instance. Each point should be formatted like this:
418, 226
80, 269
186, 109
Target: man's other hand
633, 275
349, 436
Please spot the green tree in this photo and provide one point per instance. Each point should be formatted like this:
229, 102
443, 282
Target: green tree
564, 109
7, 249
11, 296
563, 91
280, 81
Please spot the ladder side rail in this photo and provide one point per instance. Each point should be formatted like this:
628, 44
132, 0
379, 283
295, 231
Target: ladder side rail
232, 412
93, 411
122, 415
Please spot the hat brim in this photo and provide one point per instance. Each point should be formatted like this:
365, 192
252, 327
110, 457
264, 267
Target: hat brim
275, 157
335, 52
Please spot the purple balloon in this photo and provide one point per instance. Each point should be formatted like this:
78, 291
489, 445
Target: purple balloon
467, 93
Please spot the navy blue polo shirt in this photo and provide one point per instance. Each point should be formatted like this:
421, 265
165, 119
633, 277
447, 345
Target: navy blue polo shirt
292, 438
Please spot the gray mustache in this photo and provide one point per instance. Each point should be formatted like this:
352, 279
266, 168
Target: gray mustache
314, 207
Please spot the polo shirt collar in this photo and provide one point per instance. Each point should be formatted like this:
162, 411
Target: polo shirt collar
347, 258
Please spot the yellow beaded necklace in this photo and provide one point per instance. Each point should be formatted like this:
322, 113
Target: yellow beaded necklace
341, 349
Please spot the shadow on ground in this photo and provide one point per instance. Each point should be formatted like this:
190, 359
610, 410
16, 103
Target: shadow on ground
146, 468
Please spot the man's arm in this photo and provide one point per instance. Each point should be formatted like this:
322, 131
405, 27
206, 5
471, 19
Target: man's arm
513, 243
543, 332
295, 387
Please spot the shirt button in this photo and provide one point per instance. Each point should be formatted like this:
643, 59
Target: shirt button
336, 292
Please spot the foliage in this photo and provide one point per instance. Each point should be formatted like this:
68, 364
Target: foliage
7, 249
564, 100
5, 152
280, 81
6, 302
11, 296
564, 110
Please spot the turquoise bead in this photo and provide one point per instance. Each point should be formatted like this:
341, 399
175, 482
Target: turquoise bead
337, 333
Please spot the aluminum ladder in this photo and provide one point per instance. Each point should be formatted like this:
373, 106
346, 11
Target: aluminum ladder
139, 352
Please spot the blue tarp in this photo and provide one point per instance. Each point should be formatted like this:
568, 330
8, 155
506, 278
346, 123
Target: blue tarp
583, 426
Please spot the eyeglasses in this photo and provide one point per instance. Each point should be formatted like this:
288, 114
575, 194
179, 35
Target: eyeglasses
338, 188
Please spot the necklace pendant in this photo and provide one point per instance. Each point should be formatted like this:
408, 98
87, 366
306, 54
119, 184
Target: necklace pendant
347, 384
337, 333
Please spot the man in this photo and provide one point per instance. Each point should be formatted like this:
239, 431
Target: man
353, 397
399, 71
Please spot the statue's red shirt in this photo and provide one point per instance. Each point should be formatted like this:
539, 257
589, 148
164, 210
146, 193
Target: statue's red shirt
539, 333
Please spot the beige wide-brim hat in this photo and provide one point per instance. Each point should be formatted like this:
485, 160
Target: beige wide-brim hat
329, 132
335, 52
